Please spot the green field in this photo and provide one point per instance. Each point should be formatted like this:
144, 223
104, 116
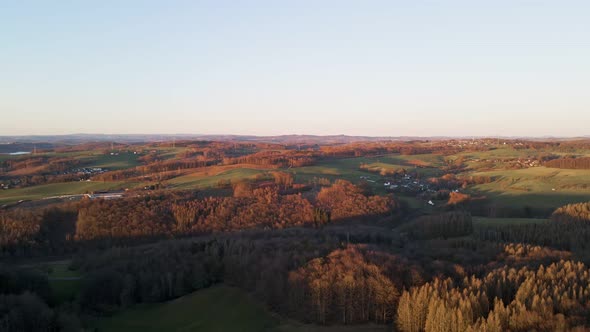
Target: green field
349, 168
536, 186
64, 282
204, 181
219, 308
430, 160
170, 152
57, 189
509, 152
115, 162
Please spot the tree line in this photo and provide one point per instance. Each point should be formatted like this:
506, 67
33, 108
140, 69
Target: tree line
570, 163
165, 215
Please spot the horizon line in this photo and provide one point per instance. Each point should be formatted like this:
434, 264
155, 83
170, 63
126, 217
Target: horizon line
286, 135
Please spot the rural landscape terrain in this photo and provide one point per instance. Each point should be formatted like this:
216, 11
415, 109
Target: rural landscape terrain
294, 233
294, 166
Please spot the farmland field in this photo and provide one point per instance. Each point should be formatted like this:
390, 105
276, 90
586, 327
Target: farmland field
536, 186
112, 162
65, 283
56, 189
204, 180
509, 152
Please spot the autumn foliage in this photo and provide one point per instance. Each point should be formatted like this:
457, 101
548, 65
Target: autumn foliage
342, 288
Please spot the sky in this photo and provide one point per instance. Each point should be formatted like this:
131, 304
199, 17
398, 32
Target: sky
379, 68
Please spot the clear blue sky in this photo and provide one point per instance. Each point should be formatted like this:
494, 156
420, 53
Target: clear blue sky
283, 67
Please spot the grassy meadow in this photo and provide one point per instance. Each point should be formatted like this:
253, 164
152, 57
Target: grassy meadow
536, 186
64, 282
215, 309
210, 178
349, 168
111, 162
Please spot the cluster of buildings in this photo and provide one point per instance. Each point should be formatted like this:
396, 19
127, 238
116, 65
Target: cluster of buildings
87, 170
106, 195
407, 183
512, 162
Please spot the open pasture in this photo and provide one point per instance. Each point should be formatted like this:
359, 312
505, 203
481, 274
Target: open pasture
215, 309
209, 177
536, 186
58, 189
118, 161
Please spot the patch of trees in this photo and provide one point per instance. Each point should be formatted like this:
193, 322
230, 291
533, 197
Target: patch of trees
359, 149
444, 225
163, 215
445, 182
16, 281
277, 158
579, 212
515, 253
123, 218
547, 299
26, 312
260, 264
570, 163
17, 226
151, 276
117, 175
348, 285
283, 180
39, 165
341, 288
394, 173
23, 232
263, 207
568, 230
24, 298
480, 206
478, 179
571, 236
345, 200
458, 199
